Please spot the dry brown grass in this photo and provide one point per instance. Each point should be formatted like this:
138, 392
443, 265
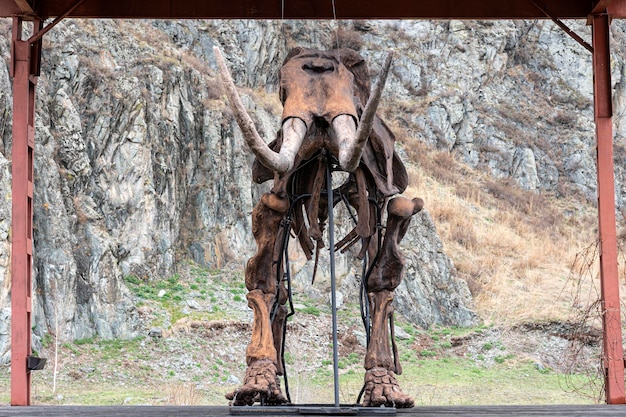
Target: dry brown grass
183, 394
348, 38
519, 251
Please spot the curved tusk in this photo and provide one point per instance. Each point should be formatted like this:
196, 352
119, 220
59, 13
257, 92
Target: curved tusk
279, 162
352, 153
294, 130
345, 130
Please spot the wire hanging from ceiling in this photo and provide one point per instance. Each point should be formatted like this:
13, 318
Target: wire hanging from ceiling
335, 22
282, 21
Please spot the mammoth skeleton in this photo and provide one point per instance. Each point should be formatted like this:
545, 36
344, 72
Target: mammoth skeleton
329, 123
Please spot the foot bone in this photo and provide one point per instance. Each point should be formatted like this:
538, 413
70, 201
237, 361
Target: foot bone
261, 384
382, 389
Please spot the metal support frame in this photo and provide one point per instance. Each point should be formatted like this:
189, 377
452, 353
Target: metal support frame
613, 354
333, 278
25, 62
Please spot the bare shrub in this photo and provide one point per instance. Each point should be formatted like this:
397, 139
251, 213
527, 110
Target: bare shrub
183, 394
537, 77
474, 284
195, 62
93, 65
443, 167
214, 89
464, 235
585, 319
506, 191
565, 119
347, 38
522, 116
566, 189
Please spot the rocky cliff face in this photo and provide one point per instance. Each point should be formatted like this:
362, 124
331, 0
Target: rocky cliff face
139, 164
516, 99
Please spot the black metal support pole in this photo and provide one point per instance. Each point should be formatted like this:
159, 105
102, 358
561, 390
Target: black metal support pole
333, 279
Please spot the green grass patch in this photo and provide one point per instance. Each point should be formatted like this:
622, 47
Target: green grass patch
352, 359
85, 341
133, 280
503, 358
461, 381
161, 291
101, 396
314, 311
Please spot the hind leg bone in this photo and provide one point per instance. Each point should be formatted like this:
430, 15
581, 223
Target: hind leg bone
381, 386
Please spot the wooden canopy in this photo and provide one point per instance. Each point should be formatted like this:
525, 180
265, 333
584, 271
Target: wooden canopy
313, 9
24, 68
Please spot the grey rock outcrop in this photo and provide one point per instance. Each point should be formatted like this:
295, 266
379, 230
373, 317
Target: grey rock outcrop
430, 281
512, 98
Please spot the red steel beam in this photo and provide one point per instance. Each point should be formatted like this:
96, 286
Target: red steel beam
16, 7
613, 353
25, 6
24, 68
600, 6
617, 9
309, 9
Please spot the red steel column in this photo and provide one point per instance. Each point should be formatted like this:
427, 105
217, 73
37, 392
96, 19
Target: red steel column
613, 353
24, 70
